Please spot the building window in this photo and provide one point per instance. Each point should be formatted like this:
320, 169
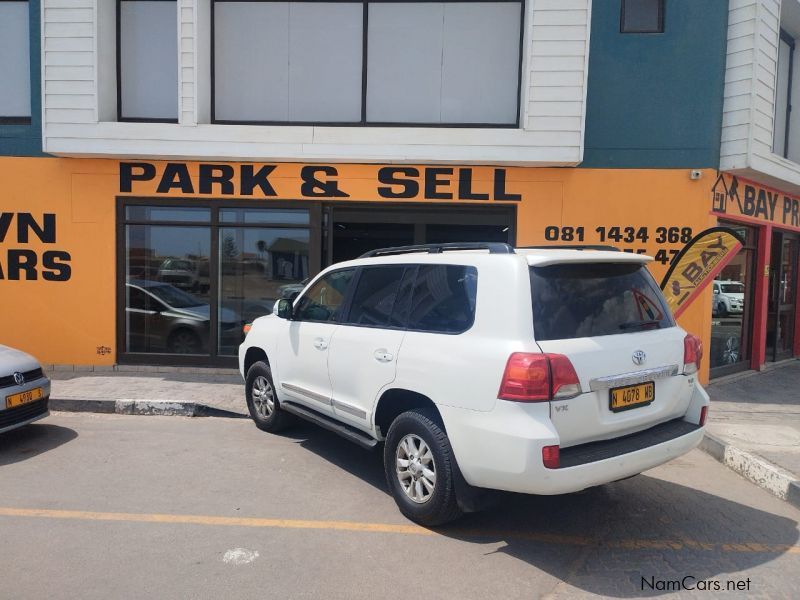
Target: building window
367, 63
15, 63
783, 95
147, 58
642, 16
192, 276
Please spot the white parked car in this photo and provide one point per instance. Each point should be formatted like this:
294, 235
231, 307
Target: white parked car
481, 366
728, 298
24, 389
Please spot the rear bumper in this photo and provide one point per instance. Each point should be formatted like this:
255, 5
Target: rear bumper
574, 478
502, 449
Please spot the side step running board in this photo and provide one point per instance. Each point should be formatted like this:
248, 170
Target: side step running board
347, 432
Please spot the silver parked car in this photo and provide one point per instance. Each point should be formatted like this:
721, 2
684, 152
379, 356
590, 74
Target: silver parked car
24, 390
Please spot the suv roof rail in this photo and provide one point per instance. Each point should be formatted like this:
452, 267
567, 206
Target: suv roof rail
571, 247
492, 247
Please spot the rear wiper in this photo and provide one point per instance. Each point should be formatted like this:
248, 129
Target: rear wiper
635, 324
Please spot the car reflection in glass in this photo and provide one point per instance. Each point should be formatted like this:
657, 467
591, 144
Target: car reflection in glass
163, 318
185, 274
292, 290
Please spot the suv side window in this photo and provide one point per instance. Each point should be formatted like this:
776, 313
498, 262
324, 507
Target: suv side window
375, 295
324, 299
443, 298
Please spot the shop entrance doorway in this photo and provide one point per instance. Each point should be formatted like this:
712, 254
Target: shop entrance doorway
352, 231
782, 309
732, 308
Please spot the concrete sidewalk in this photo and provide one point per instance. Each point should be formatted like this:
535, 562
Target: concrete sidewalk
178, 391
754, 421
754, 427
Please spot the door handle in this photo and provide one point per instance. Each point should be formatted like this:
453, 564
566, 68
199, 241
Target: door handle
383, 355
320, 344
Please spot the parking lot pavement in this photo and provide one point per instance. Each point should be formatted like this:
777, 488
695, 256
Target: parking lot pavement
113, 506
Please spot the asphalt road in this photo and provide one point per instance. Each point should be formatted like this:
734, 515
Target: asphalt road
112, 506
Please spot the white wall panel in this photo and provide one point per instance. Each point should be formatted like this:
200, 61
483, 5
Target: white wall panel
281, 61
405, 86
251, 69
15, 64
149, 59
749, 123
552, 100
325, 47
480, 62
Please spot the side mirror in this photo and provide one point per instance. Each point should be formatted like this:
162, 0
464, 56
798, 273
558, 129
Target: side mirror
285, 308
716, 291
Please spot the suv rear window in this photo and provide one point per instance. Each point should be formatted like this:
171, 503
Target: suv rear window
575, 300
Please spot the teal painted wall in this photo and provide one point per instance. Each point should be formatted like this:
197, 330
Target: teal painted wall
655, 100
26, 140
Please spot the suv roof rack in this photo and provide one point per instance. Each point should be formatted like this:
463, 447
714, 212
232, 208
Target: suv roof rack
571, 247
492, 247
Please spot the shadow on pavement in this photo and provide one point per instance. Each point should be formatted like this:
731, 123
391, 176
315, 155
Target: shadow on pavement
605, 540
32, 440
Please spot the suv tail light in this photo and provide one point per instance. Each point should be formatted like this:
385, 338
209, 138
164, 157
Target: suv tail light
538, 378
692, 353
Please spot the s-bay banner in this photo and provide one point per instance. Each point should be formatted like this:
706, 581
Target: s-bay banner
294, 181
697, 265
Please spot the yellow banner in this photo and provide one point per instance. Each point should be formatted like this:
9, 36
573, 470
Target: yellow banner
697, 265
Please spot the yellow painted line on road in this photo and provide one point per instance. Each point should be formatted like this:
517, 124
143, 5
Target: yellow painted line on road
212, 520
494, 535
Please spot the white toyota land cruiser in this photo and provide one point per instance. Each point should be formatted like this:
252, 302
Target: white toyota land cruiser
483, 367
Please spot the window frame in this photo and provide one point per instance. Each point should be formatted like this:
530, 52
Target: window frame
23, 120
120, 117
660, 26
363, 122
215, 205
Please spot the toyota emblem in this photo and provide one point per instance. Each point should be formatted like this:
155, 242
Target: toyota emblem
19, 378
639, 357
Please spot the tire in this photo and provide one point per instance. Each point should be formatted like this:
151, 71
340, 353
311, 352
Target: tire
266, 413
184, 341
424, 504
722, 310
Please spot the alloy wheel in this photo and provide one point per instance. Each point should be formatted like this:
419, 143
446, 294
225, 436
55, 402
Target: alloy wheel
263, 397
730, 355
415, 468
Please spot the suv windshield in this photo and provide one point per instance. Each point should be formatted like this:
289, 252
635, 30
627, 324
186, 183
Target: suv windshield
732, 288
575, 300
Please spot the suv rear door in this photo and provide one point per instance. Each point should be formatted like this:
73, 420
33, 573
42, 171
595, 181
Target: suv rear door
611, 321
364, 349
